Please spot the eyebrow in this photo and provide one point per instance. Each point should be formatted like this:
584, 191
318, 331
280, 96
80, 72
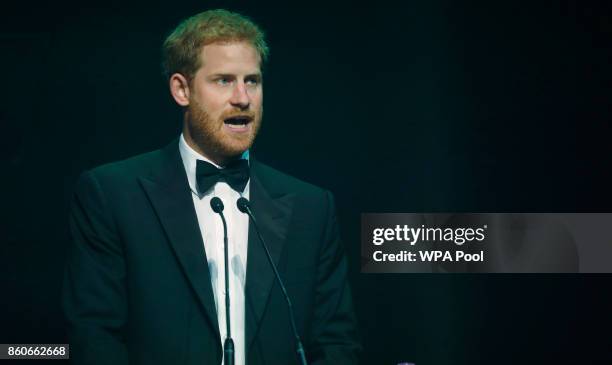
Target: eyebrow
231, 76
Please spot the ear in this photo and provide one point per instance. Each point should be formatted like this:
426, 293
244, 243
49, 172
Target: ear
179, 88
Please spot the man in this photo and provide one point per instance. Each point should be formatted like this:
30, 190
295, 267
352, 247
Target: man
145, 278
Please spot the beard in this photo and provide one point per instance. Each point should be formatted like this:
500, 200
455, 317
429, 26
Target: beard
212, 138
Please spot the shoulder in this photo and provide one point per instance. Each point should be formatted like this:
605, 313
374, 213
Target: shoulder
125, 173
128, 168
280, 182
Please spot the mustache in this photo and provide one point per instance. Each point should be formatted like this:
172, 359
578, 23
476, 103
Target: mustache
238, 114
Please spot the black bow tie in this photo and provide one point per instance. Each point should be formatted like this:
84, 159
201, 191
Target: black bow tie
235, 174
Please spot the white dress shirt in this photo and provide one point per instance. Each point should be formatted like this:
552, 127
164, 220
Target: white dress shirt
211, 229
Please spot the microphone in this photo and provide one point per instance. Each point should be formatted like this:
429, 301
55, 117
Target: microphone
228, 345
244, 206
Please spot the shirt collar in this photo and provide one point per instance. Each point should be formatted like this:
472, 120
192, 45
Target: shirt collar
190, 157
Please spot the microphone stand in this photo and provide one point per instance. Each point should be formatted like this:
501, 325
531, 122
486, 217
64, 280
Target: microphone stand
228, 345
244, 206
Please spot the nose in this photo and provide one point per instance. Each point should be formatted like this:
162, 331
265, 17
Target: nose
240, 97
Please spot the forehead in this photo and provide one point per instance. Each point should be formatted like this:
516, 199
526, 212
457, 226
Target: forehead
230, 57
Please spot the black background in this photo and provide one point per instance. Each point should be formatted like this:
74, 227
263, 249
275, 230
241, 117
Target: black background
428, 106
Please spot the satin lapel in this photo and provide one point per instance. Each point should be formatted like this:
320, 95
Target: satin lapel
273, 213
170, 196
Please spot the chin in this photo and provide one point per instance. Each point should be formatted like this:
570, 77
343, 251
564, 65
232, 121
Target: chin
235, 148
234, 151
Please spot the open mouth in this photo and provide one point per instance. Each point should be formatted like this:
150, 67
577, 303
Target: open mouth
238, 123
238, 120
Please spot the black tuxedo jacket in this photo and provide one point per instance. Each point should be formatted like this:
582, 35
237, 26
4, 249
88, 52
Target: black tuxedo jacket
137, 288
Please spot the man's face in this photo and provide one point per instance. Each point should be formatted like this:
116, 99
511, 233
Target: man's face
225, 101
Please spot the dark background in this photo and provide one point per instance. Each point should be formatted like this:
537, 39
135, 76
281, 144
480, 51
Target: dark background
419, 107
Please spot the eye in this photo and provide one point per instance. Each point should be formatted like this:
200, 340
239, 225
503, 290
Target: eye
223, 81
252, 81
